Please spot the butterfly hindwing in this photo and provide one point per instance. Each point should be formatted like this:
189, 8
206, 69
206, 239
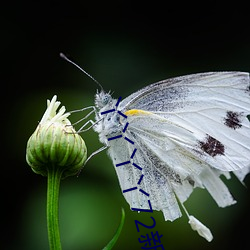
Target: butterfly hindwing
176, 162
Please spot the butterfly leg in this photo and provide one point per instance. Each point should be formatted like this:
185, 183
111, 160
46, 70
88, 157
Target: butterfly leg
86, 116
81, 129
96, 152
83, 109
92, 154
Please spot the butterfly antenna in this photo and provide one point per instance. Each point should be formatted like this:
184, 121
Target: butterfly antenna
90, 76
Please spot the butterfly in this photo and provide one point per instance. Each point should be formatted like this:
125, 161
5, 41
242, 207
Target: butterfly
175, 135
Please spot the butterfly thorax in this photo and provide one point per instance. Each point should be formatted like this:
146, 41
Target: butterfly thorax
108, 125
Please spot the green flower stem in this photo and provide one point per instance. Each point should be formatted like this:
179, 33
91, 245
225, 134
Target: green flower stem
53, 186
55, 150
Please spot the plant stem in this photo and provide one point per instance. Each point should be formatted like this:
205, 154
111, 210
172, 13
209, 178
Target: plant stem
54, 177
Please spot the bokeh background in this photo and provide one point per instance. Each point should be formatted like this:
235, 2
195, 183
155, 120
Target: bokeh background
125, 45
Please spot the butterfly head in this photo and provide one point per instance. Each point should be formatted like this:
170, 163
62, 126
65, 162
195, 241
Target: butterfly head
103, 100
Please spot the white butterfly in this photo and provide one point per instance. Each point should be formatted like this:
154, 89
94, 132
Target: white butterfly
174, 135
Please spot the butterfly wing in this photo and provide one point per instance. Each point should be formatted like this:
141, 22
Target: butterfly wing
212, 106
139, 180
186, 131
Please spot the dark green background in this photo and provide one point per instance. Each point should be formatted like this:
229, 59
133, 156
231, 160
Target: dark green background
125, 45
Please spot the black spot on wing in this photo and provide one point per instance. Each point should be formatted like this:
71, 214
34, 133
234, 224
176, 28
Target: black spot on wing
233, 119
248, 89
190, 181
212, 146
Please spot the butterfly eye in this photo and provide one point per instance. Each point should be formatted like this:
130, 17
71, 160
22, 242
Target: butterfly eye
106, 99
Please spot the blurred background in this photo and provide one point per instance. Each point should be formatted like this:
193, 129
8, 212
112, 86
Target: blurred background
125, 45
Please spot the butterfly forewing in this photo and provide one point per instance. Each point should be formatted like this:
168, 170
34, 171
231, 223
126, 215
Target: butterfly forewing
210, 107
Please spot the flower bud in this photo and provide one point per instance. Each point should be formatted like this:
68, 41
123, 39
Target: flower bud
55, 144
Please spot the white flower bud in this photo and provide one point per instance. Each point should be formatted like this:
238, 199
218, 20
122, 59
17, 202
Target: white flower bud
55, 143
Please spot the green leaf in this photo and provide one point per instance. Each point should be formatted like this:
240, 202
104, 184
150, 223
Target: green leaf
118, 231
